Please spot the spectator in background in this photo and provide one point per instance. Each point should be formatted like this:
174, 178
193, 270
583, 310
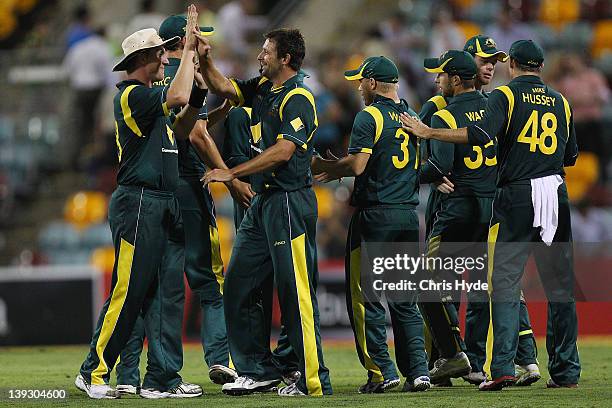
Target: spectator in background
587, 91
80, 28
237, 20
508, 29
88, 67
146, 18
445, 34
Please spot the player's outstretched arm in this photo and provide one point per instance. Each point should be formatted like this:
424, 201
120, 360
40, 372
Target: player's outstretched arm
180, 88
326, 170
215, 80
416, 127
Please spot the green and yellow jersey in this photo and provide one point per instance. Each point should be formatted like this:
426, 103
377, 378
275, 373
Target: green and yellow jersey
534, 128
391, 175
190, 164
472, 169
147, 150
286, 112
433, 104
237, 143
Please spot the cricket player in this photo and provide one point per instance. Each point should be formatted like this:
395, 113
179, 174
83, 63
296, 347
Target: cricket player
536, 139
385, 162
200, 248
280, 224
144, 214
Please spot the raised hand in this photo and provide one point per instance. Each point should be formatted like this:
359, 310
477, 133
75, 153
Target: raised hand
203, 46
191, 42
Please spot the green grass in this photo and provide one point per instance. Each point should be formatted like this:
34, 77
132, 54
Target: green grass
56, 367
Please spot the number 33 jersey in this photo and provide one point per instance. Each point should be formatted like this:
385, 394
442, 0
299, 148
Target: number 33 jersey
534, 128
391, 175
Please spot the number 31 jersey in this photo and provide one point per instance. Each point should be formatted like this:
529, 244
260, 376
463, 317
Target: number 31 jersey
534, 128
391, 175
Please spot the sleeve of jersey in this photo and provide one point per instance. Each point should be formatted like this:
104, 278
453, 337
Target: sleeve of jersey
493, 121
571, 148
237, 142
298, 119
141, 106
245, 90
427, 111
362, 134
203, 113
440, 161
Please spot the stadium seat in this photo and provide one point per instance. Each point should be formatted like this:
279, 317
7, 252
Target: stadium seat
602, 38
97, 235
558, 13
58, 235
103, 258
325, 201
581, 177
468, 28
225, 227
85, 208
218, 191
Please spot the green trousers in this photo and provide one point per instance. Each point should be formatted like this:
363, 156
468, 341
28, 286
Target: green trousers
383, 224
204, 270
276, 238
144, 223
512, 222
283, 356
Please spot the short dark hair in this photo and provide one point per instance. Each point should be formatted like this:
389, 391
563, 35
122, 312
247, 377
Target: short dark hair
527, 68
289, 41
467, 83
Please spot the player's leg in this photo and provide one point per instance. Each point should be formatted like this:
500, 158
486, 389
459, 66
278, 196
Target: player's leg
164, 320
509, 246
247, 327
204, 267
367, 318
128, 371
138, 236
290, 225
556, 269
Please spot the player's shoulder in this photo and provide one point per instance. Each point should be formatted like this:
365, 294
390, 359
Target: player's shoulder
438, 101
447, 116
239, 112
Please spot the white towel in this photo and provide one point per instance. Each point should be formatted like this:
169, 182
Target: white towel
546, 205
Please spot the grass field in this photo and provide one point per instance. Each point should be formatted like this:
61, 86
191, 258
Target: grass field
56, 368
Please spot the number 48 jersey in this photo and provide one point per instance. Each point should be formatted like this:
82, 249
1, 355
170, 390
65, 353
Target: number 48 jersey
390, 177
534, 128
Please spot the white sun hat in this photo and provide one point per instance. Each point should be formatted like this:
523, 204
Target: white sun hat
142, 40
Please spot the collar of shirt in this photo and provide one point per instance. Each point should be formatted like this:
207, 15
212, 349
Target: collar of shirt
532, 79
380, 98
174, 61
128, 82
297, 79
466, 96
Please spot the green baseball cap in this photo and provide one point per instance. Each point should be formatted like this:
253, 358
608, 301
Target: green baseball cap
453, 62
379, 68
527, 52
485, 47
174, 26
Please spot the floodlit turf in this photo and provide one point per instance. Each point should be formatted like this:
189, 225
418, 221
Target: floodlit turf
56, 368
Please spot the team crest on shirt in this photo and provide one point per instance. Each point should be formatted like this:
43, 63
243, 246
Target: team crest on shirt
490, 43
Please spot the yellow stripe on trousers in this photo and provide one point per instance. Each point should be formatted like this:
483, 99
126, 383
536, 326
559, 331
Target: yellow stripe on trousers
359, 314
215, 252
124, 270
493, 231
302, 285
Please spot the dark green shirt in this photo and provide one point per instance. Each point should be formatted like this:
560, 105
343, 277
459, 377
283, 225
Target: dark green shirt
433, 104
148, 155
534, 128
190, 164
237, 143
287, 112
472, 168
390, 177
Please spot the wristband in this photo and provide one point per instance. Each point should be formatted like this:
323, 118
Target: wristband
197, 97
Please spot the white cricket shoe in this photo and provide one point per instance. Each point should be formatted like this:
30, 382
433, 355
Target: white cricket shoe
182, 390
247, 385
421, 383
220, 374
475, 378
290, 391
95, 391
445, 368
127, 389
527, 374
